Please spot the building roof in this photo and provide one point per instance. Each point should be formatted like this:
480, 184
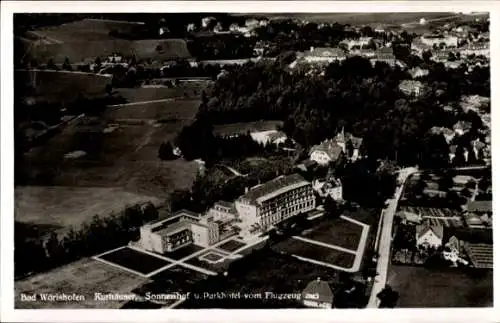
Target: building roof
326, 52
275, 187
480, 206
330, 147
320, 288
225, 204
172, 227
423, 229
409, 84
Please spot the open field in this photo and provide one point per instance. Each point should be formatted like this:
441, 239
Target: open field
134, 260
84, 43
141, 94
355, 18
315, 252
177, 111
244, 127
231, 245
443, 287
83, 277
62, 86
85, 29
338, 232
126, 157
63, 207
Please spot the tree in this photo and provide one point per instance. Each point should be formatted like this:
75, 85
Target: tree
426, 56
331, 207
51, 65
165, 152
66, 65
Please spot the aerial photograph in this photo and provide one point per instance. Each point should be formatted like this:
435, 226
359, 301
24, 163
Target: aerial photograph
252, 160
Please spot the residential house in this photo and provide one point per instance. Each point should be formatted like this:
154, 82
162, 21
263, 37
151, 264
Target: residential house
269, 137
478, 214
318, 294
475, 49
412, 87
429, 235
477, 147
360, 42
409, 217
347, 140
447, 40
384, 55
462, 127
418, 72
418, 47
452, 152
367, 53
326, 152
324, 55
205, 22
446, 132
454, 64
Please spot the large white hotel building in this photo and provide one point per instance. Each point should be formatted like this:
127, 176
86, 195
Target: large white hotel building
267, 204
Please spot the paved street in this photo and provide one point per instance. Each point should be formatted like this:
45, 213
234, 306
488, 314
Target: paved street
384, 248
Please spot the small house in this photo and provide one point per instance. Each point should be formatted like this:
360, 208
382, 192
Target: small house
317, 294
429, 235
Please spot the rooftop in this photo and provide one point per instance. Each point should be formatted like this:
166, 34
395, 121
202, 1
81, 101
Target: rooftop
480, 206
330, 147
423, 229
325, 52
273, 188
320, 288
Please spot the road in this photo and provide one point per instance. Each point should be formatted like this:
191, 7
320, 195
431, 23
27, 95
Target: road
385, 237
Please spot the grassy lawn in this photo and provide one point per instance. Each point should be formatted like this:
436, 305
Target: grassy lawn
84, 277
338, 232
183, 252
218, 267
212, 256
135, 260
244, 127
231, 245
59, 208
315, 252
448, 287
264, 271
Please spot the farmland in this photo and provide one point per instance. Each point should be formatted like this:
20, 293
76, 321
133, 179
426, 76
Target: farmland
62, 207
175, 110
158, 93
84, 277
87, 39
356, 18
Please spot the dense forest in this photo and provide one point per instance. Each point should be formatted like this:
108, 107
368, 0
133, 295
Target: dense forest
353, 95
